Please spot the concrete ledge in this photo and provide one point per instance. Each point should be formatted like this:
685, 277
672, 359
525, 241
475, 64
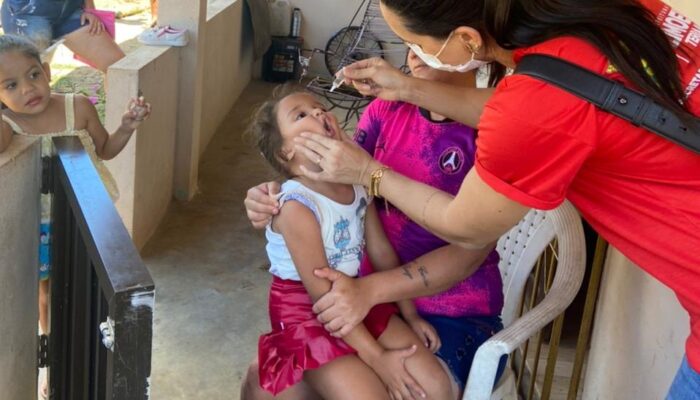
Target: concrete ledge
18, 146
144, 169
214, 7
20, 181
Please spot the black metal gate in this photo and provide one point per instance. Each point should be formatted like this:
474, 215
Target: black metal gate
102, 295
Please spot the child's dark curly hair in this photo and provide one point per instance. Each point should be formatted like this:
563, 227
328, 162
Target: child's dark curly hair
264, 128
21, 44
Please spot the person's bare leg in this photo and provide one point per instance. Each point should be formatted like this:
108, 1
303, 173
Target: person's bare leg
44, 306
423, 365
346, 378
251, 390
154, 12
100, 50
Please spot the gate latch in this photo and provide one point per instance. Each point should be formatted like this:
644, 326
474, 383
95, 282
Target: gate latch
43, 351
107, 330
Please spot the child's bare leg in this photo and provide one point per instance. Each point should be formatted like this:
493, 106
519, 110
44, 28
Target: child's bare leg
346, 377
251, 390
423, 365
44, 306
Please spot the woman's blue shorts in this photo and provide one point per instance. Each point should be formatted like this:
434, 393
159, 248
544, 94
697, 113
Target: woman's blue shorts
42, 21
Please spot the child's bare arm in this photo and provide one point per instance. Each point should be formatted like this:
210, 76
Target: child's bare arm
5, 135
108, 146
302, 235
379, 250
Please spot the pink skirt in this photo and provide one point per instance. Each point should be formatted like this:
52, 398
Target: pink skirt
299, 342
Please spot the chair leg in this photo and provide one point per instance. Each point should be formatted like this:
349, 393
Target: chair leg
505, 388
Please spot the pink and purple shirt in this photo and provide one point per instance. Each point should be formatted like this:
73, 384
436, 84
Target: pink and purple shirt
438, 153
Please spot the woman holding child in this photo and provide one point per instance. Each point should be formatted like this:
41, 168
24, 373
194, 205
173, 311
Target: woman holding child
539, 145
459, 291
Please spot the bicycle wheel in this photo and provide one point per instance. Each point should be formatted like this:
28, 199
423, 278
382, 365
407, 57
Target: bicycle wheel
348, 45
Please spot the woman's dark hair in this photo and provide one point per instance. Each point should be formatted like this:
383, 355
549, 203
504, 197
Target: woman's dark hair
264, 127
18, 43
623, 30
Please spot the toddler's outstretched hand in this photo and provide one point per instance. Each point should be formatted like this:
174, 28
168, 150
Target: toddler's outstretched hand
136, 112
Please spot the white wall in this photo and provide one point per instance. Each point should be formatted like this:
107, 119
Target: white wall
691, 8
321, 19
638, 337
19, 243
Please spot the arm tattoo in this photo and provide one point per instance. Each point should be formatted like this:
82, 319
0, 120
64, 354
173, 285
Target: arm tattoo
406, 271
424, 274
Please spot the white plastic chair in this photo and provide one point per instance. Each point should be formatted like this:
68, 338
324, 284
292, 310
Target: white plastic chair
519, 249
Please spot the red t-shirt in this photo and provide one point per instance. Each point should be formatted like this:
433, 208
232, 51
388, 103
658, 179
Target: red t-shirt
539, 145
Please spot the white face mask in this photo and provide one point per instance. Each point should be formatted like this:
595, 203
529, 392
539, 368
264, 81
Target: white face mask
434, 62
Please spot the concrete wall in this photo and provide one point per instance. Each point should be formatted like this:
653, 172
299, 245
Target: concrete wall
19, 242
320, 21
638, 337
144, 169
691, 8
640, 328
215, 66
228, 60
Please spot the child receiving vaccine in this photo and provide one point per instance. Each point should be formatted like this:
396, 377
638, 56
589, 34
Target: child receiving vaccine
322, 224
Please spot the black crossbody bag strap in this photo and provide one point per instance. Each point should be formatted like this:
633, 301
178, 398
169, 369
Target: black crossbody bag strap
612, 97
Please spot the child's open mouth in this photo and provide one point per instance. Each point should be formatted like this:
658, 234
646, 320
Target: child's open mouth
328, 129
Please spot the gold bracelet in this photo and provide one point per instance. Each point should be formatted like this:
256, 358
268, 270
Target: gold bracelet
375, 180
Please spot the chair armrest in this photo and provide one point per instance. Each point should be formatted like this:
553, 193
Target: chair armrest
485, 365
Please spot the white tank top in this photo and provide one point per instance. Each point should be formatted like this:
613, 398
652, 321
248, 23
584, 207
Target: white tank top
342, 231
